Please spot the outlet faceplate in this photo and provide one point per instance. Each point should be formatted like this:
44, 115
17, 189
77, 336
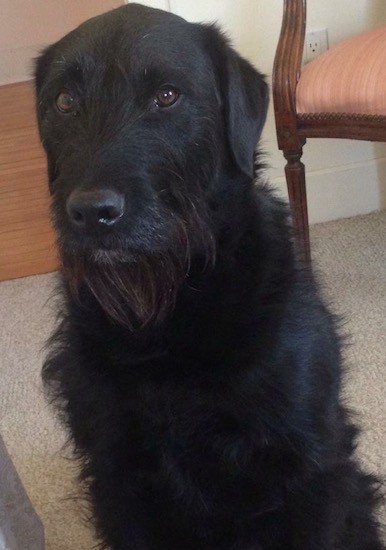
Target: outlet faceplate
316, 42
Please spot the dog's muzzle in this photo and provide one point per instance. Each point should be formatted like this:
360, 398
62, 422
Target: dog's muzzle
95, 209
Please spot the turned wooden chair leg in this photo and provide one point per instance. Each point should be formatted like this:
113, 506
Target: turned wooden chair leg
296, 184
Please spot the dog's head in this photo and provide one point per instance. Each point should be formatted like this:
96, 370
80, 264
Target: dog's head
141, 113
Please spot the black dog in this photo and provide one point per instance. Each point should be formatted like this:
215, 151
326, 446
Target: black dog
195, 365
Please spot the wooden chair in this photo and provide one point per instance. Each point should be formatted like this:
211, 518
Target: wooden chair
347, 110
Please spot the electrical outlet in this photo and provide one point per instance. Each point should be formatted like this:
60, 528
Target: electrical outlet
316, 42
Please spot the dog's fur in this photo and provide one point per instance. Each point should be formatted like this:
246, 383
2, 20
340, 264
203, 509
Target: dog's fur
195, 365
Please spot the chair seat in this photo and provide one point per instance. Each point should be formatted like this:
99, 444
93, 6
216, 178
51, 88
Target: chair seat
348, 78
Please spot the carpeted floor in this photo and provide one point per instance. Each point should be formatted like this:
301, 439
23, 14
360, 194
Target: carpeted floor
350, 256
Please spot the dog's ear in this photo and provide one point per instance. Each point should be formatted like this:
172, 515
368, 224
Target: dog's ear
42, 66
246, 110
244, 93
40, 71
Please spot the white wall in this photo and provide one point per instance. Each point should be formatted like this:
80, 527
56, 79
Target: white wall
344, 178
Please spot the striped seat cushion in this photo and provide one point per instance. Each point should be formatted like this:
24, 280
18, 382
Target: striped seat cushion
348, 78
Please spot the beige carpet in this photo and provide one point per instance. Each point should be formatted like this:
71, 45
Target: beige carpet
351, 260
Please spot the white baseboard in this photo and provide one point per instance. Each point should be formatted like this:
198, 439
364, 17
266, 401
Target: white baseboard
343, 191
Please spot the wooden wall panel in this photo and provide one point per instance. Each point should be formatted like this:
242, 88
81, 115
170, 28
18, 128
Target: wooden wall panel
26, 237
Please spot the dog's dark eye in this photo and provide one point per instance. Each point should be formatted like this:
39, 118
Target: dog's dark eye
65, 102
165, 97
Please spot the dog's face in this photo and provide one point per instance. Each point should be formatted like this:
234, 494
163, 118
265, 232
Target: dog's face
140, 113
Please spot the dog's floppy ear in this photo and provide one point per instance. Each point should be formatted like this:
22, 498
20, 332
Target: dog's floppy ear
246, 110
42, 66
244, 94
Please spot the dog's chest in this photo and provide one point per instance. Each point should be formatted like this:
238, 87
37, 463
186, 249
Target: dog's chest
188, 446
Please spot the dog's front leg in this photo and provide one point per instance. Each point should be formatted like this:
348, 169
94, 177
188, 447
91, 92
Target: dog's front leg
91, 411
117, 528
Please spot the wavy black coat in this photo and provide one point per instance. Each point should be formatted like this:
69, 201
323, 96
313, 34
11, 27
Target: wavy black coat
210, 418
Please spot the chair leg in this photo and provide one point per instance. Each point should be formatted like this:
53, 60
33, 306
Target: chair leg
296, 184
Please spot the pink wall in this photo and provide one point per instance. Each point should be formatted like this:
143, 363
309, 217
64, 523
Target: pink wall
28, 25
28, 22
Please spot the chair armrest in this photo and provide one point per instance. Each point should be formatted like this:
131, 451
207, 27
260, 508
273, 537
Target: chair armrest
286, 71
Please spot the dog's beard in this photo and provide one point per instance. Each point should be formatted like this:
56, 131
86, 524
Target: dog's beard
135, 289
132, 294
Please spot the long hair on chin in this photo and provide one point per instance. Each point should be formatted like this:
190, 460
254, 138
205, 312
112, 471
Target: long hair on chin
132, 294
139, 291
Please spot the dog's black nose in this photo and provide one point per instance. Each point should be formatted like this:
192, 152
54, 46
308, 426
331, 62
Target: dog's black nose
99, 207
